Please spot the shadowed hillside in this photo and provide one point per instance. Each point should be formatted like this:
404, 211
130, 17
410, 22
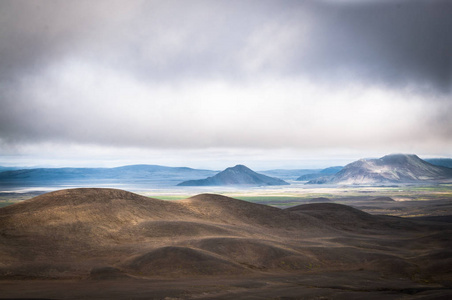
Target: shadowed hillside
67, 226
107, 234
351, 219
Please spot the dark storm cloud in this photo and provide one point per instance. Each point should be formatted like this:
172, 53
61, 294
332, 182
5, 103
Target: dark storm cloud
395, 42
392, 42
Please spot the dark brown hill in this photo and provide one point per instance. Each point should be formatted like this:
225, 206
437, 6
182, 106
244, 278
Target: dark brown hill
345, 217
86, 213
72, 231
106, 212
319, 200
234, 211
179, 261
116, 235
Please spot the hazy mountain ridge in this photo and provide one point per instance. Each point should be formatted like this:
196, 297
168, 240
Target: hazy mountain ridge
289, 174
131, 173
364, 171
3, 169
394, 168
321, 173
117, 172
238, 175
442, 162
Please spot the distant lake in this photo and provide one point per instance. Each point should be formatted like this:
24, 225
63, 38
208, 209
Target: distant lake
137, 186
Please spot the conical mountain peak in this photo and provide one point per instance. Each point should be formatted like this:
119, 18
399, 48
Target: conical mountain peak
237, 175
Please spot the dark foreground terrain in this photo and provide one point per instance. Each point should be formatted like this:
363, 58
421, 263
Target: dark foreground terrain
112, 244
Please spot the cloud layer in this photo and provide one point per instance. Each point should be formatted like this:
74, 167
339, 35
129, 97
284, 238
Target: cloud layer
367, 75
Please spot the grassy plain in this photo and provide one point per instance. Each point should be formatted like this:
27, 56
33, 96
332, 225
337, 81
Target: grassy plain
8, 198
406, 201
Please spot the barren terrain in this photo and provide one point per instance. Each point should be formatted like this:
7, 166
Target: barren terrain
107, 244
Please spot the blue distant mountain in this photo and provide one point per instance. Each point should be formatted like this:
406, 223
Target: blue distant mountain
2, 168
238, 175
320, 173
142, 174
442, 162
289, 174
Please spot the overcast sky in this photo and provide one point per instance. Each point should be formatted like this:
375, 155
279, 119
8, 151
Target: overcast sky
270, 84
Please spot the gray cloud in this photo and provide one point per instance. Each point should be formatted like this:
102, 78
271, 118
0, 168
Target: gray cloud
395, 42
226, 73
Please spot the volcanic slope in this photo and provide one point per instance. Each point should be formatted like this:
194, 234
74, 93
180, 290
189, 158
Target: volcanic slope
116, 235
347, 218
69, 232
238, 175
394, 168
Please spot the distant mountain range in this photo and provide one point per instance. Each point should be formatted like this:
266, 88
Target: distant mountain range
238, 175
289, 174
389, 169
3, 169
321, 173
143, 174
395, 168
443, 162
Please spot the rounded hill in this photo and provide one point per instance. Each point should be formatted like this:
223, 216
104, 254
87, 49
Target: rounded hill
104, 234
339, 216
109, 208
234, 211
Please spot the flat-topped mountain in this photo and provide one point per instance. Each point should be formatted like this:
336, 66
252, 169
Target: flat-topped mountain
238, 175
132, 174
394, 168
124, 172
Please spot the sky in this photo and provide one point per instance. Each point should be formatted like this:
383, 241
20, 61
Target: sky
210, 84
